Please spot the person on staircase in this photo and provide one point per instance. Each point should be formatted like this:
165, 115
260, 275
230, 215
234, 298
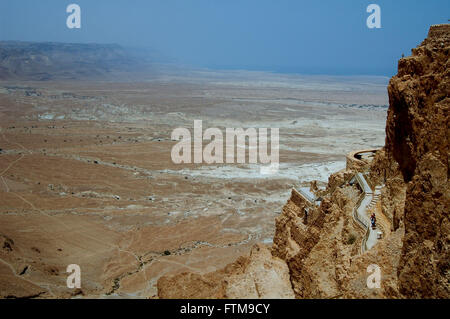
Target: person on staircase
373, 220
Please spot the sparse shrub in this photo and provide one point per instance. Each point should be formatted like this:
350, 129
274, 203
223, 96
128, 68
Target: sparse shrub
351, 239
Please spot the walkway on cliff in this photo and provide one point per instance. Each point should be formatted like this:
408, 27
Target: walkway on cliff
360, 212
307, 194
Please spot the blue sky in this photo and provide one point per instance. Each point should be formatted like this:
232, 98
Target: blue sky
316, 36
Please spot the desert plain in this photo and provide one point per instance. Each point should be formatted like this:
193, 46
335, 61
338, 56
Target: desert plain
87, 176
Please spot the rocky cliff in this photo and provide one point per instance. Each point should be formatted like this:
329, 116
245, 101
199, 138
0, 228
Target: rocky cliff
321, 251
417, 138
259, 275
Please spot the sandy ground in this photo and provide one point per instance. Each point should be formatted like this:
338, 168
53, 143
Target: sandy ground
87, 177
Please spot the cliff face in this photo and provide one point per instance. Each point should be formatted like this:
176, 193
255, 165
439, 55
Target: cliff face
324, 254
319, 249
417, 139
259, 275
322, 251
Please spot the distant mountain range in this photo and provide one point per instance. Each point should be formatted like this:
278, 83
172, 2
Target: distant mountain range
49, 60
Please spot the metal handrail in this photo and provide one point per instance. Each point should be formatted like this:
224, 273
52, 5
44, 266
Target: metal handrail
355, 213
364, 242
363, 183
362, 223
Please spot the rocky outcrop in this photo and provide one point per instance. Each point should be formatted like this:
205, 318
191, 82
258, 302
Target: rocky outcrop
417, 134
6, 243
386, 171
260, 275
322, 252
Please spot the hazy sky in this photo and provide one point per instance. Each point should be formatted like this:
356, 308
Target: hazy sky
316, 36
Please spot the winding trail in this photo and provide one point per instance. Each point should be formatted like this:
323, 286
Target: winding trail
360, 213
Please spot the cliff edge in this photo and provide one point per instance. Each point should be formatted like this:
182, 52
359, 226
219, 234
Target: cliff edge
320, 248
417, 134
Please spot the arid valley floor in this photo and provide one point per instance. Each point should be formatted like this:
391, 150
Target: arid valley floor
87, 177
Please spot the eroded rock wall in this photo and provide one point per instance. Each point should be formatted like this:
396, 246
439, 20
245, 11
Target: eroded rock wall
260, 275
320, 256
417, 133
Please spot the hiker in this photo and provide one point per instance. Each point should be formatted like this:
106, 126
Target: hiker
373, 219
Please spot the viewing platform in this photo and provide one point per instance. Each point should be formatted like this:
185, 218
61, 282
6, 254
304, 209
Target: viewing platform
359, 160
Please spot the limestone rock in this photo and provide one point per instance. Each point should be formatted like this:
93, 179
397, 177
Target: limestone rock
320, 256
418, 133
259, 275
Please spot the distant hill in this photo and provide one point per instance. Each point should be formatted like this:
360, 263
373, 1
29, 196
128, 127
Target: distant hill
49, 60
